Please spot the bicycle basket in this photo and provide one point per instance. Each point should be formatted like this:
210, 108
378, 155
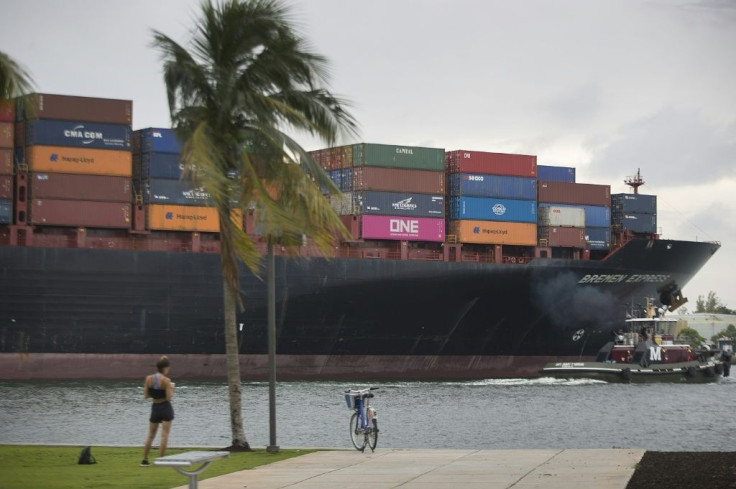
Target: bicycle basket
350, 401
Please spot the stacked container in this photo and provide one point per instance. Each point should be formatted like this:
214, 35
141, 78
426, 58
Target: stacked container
635, 212
77, 151
6, 161
396, 192
492, 197
564, 197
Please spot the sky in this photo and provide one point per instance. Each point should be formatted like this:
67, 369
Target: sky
608, 87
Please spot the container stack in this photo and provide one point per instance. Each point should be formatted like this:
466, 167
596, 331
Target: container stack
393, 192
77, 151
492, 197
6, 161
594, 200
635, 212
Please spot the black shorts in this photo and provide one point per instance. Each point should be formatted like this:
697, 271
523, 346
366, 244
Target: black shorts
161, 411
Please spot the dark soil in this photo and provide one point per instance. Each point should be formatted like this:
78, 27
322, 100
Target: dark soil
671, 470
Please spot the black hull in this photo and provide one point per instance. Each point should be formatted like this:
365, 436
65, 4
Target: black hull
58, 301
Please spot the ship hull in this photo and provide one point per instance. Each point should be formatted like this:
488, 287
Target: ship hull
339, 318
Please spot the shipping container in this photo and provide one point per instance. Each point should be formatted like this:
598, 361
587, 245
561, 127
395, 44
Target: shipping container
342, 178
462, 161
561, 236
399, 204
478, 185
158, 165
574, 193
61, 159
561, 216
555, 173
494, 232
73, 108
598, 238
337, 158
165, 217
390, 156
7, 139
6, 161
492, 209
342, 203
402, 228
398, 180
66, 186
595, 215
174, 192
7, 110
6, 187
638, 223
159, 140
77, 134
79, 213
6, 211
634, 203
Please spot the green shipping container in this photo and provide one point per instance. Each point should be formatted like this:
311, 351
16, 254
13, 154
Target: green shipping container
390, 156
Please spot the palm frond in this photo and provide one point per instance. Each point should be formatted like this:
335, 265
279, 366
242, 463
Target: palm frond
15, 80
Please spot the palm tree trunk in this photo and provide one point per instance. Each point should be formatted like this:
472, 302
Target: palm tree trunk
233, 368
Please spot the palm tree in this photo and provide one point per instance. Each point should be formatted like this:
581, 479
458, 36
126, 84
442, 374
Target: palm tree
14, 79
247, 78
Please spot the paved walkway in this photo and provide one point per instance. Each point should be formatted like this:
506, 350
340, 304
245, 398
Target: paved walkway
440, 469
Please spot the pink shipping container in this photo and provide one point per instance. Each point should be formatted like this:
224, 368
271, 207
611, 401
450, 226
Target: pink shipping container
462, 161
6, 135
6, 187
398, 180
6, 161
66, 186
7, 110
562, 236
574, 193
402, 228
80, 213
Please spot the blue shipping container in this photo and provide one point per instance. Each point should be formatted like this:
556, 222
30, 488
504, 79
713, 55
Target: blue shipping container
555, 173
598, 238
399, 204
6, 211
596, 216
492, 209
176, 192
505, 187
160, 165
634, 203
159, 140
638, 223
78, 134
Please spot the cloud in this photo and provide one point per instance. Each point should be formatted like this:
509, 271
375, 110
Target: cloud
676, 145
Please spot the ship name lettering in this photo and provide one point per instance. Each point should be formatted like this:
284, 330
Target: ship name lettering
648, 278
602, 279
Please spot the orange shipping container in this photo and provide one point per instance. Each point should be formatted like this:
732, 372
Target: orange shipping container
495, 232
6, 135
61, 159
165, 217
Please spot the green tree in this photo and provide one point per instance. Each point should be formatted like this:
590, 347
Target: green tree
248, 78
14, 79
712, 304
692, 337
729, 332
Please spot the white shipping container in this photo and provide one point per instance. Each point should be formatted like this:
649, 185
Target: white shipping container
562, 216
342, 204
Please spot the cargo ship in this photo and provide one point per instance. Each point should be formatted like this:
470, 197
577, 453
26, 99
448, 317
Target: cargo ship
460, 264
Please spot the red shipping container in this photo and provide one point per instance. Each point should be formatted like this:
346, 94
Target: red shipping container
574, 193
6, 187
73, 108
79, 213
398, 180
7, 110
562, 236
6, 161
462, 161
80, 187
6, 135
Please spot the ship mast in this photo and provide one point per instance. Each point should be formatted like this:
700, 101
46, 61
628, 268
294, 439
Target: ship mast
636, 181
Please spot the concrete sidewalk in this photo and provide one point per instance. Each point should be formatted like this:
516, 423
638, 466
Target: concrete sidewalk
440, 469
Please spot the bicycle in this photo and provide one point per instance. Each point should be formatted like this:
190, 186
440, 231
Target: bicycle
363, 423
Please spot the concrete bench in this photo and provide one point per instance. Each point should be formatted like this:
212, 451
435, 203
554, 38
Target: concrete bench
187, 459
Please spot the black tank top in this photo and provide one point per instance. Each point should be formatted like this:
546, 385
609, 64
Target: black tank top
155, 390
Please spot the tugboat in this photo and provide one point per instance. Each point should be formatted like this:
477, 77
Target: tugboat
645, 351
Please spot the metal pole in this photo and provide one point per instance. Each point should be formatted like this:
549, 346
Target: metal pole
271, 281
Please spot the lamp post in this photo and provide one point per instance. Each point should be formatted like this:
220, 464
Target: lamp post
271, 298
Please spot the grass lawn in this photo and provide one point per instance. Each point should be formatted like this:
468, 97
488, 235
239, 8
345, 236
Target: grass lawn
52, 467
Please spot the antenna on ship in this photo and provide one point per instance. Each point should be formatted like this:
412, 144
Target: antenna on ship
636, 181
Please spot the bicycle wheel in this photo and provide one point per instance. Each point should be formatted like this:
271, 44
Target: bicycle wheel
356, 434
373, 435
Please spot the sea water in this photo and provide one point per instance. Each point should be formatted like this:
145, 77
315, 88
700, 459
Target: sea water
481, 414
